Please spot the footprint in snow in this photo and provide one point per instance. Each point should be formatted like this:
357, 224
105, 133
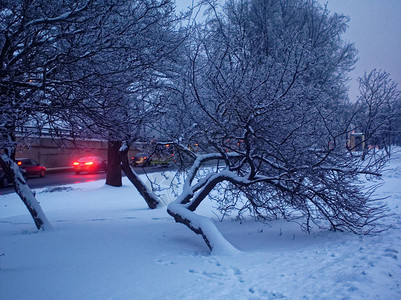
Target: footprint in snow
238, 274
213, 274
165, 262
391, 253
264, 294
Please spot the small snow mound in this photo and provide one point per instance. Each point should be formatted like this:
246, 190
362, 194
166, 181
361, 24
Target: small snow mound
57, 189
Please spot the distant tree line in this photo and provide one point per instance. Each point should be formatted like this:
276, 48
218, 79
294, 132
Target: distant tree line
378, 111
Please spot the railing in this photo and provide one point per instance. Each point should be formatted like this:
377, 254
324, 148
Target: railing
44, 132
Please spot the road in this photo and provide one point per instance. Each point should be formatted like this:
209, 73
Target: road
68, 177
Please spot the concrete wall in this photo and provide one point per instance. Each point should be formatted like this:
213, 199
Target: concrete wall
53, 153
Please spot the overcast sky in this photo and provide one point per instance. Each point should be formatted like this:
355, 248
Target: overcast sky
374, 28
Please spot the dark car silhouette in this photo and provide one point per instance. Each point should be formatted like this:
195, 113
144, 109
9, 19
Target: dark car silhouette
30, 167
140, 160
90, 164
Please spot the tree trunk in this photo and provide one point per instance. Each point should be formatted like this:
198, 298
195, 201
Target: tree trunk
114, 177
12, 170
203, 226
150, 198
182, 209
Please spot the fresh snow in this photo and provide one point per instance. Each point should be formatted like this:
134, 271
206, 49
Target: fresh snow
106, 244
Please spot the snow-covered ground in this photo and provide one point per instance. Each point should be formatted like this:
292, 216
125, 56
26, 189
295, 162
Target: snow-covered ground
106, 244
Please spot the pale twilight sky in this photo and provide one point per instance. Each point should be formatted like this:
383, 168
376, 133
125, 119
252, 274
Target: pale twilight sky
374, 28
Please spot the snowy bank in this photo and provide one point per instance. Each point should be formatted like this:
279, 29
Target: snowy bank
106, 244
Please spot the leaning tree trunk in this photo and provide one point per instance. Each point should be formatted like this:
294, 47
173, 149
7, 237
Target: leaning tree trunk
182, 209
114, 177
12, 170
203, 226
151, 199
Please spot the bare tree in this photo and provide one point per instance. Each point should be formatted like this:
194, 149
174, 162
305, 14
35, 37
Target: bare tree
71, 62
376, 110
397, 123
266, 91
122, 94
36, 37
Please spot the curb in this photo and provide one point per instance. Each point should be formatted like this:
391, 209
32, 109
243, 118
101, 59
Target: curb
59, 169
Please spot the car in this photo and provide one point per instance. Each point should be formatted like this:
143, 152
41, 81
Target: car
30, 167
4, 181
140, 160
90, 164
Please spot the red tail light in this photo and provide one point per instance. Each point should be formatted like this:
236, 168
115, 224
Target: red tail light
76, 163
144, 157
89, 163
19, 163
